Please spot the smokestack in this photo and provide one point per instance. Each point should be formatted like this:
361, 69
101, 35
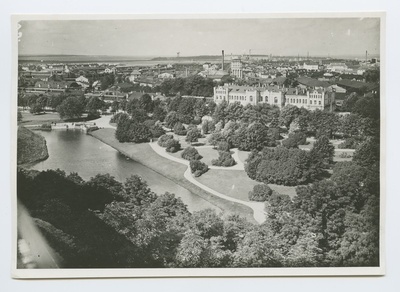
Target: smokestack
223, 56
366, 57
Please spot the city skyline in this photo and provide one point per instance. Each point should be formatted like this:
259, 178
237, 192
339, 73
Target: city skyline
315, 37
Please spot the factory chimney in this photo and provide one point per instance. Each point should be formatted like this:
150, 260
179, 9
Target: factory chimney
223, 56
366, 57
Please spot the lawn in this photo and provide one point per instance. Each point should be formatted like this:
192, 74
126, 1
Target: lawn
243, 155
31, 119
208, 154
236, 183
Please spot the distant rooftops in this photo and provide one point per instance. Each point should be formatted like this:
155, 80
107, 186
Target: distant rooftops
310, 82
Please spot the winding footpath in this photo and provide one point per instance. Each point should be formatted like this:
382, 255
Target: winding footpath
257, 207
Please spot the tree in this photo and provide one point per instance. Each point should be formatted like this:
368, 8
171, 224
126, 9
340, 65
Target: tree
146, 103
220, 112
198, 168
288, 114
190, 153
109, 183
368, 152
137, 191
180, 129
225, 159
323, 152
193, 135
71, 107
163, 139
215, 138
281, 166
19, 116
95, 104
132, 131
172, 145
253, 137
190, 250
294, 140
157, 131
171, 119
260, 193
159, 113
115, 106
223, 146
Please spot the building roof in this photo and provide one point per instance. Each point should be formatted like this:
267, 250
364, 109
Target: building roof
53, 84
311, 82
135, 72
356, 84
135, 95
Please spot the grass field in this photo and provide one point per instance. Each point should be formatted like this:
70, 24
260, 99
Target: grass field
243, 155
31, 147
236, 183
31, 119
208, 154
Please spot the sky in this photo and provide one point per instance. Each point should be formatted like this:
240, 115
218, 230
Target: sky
192, 37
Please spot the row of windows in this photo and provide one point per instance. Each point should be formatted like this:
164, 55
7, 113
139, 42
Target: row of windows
302, 101
315, 96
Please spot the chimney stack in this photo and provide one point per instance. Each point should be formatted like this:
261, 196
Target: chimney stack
223, 56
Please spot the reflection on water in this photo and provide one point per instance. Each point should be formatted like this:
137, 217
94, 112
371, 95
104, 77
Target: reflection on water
74, 151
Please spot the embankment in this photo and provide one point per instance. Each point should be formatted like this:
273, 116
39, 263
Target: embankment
143, 154
31, 147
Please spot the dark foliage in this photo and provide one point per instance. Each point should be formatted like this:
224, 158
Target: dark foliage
190, 153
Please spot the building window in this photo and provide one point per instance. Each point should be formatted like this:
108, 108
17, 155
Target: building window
276, 100
319, 102
251, 98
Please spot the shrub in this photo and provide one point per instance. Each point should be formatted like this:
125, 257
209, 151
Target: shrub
172, 146
282, 166
294, 140
225, 159
157, 131
164, 139
223, 146
193, 135
149, 123
198, 168
260, 193
190, 153
180, 129
118, 117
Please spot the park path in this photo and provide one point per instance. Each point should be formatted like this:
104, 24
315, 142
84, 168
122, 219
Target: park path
257, 207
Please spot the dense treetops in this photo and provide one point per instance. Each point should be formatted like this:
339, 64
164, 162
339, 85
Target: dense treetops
282, 166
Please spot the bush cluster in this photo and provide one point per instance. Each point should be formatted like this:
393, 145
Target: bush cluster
260, 193
190, 153
224, 159
198, 168
180, 129
170, 144
282, 166
294, 140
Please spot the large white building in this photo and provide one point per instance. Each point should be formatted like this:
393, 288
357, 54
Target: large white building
309, 98
253, 95
312, 98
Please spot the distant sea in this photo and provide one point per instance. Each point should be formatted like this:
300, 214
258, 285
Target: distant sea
129, 61
145, 61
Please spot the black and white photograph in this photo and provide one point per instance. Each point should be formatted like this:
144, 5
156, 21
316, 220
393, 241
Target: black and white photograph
198, 145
